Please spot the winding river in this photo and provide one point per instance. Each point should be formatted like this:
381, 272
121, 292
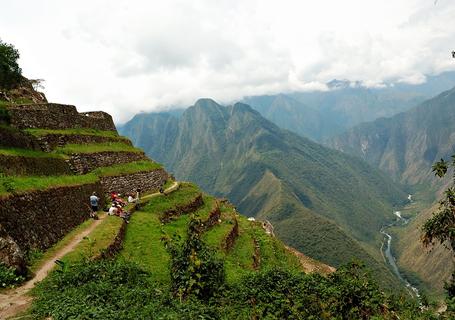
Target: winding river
400, 221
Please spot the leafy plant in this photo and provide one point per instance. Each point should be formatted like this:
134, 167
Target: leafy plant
10, 72
441, 227
194, 267
8, 276
4, 115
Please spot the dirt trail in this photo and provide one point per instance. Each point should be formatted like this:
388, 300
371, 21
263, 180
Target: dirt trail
310, 265
15, 301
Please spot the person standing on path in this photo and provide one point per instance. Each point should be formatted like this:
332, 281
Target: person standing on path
94, 203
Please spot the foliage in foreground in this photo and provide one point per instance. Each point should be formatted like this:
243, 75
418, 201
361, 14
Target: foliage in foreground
8, 277
194, 267
441, 227
122, 290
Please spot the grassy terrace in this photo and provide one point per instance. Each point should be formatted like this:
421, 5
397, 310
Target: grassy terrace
15, 152
96, 147
127, 168
97, 241
143, 237
273, 253
77, 131
20, 184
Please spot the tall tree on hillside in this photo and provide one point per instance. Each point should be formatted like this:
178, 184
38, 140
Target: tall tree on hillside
441, 227
10, 72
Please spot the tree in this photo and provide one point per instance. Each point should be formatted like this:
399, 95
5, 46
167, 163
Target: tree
441, 227
10, 72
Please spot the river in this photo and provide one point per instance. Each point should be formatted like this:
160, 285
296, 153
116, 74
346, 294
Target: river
400, 221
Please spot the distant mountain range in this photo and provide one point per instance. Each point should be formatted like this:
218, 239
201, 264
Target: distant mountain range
406, 145
320, 115
327, 204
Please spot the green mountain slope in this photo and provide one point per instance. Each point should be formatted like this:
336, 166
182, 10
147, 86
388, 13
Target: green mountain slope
275, 174
405, 146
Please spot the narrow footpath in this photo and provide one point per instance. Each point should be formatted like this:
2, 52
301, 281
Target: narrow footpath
17, 300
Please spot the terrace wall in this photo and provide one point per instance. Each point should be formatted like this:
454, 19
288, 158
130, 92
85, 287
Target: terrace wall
82, 163
38, 219
50, 142
33, 166
146, 181
57, 116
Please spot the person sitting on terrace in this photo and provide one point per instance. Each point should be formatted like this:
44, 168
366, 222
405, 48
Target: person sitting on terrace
131, 199
113, 211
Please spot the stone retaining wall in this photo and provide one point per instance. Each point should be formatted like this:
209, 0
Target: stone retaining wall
146, 181
13, 138
57, 116
256, 255
38, 219
51, 141
16, 165
82, 163
229, 241
213, 218
115, 247
179, 210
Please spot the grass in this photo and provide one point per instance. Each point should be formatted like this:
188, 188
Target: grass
15, 152
143, 237
76, 131
143, 245
97, 241
184, 194
18, 184
96, 147
215, 236
127, 168
273, 253
240, 259
4, 103
36, 264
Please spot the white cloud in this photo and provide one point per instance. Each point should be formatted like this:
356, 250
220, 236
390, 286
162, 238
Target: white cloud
126, 56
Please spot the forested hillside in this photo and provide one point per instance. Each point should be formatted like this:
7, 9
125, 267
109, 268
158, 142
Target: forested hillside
405, 147
327, 204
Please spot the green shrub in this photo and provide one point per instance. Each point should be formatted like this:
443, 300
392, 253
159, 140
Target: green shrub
194, 267
8, 277
5, 118
121, 290
10, 72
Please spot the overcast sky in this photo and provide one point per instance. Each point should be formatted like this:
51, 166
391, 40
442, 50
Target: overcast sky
124, 57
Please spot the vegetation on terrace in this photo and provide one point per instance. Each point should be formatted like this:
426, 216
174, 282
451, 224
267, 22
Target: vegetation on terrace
96, 147
77, 131
110, 288
16, 152
127, 168
97, 241
19, 184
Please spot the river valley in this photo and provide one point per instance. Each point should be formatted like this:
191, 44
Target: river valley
387, 252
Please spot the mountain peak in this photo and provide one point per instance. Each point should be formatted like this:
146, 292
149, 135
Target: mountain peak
206, 103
